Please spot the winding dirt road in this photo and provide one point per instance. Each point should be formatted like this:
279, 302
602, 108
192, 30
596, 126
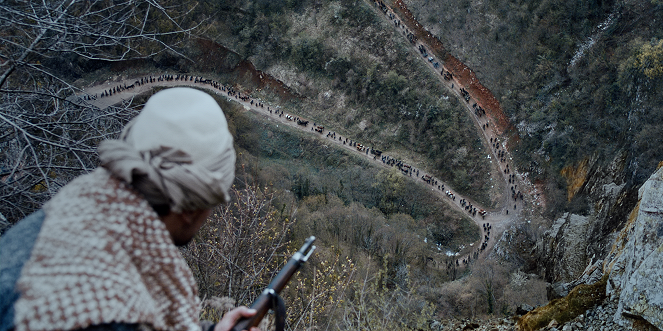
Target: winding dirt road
491, 126
501, 169
270, 113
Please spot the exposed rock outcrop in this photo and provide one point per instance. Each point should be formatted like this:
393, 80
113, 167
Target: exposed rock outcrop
631, 275
582, 298
636, 261
576, 176
574, 241
564, 246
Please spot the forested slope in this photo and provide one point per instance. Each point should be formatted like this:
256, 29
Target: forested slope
356, 73
580, 80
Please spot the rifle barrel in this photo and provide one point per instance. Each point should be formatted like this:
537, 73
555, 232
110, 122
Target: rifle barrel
263, 302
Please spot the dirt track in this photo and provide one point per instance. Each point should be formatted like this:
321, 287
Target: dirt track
498, 218
495, 119
494, 217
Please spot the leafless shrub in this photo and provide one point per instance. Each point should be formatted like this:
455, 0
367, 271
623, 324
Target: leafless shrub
46, 142
375, 306
48, 135
490, 289
241, 247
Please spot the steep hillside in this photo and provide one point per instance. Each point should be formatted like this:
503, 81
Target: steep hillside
356, 73
582, 83
579, 86
623, 291
580, 80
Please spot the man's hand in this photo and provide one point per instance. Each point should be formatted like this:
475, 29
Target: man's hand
230, 318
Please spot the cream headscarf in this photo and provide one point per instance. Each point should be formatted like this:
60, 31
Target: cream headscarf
181, 143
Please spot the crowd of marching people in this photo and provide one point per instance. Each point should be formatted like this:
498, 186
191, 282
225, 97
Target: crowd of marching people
173, 78
486, 227
405, 168
468, 207
501, 154
486, 235
480, 113
387, 160
232, 93
408, 34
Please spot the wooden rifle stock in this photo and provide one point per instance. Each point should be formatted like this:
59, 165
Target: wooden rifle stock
264, 301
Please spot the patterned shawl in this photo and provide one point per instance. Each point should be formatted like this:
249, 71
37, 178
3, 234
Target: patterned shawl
104, 256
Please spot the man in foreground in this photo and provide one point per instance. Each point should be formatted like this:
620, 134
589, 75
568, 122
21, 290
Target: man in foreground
102, 254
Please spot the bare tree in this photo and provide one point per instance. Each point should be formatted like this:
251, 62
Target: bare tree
48, 135
376, 306
241, 247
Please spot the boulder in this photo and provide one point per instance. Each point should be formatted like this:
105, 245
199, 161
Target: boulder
558, 290
523, 309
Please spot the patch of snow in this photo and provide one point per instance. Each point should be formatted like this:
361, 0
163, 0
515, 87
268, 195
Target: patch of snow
592, 39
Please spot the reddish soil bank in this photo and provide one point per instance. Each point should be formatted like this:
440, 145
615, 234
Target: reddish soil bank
462, 73
218, 58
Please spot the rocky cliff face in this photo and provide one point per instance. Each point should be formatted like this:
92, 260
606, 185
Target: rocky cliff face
574, 242
635, 264
564, 246
632, 296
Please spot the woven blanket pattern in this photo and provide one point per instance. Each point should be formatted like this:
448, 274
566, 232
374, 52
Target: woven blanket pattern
104, 256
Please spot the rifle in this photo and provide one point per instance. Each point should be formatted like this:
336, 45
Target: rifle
269, 298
